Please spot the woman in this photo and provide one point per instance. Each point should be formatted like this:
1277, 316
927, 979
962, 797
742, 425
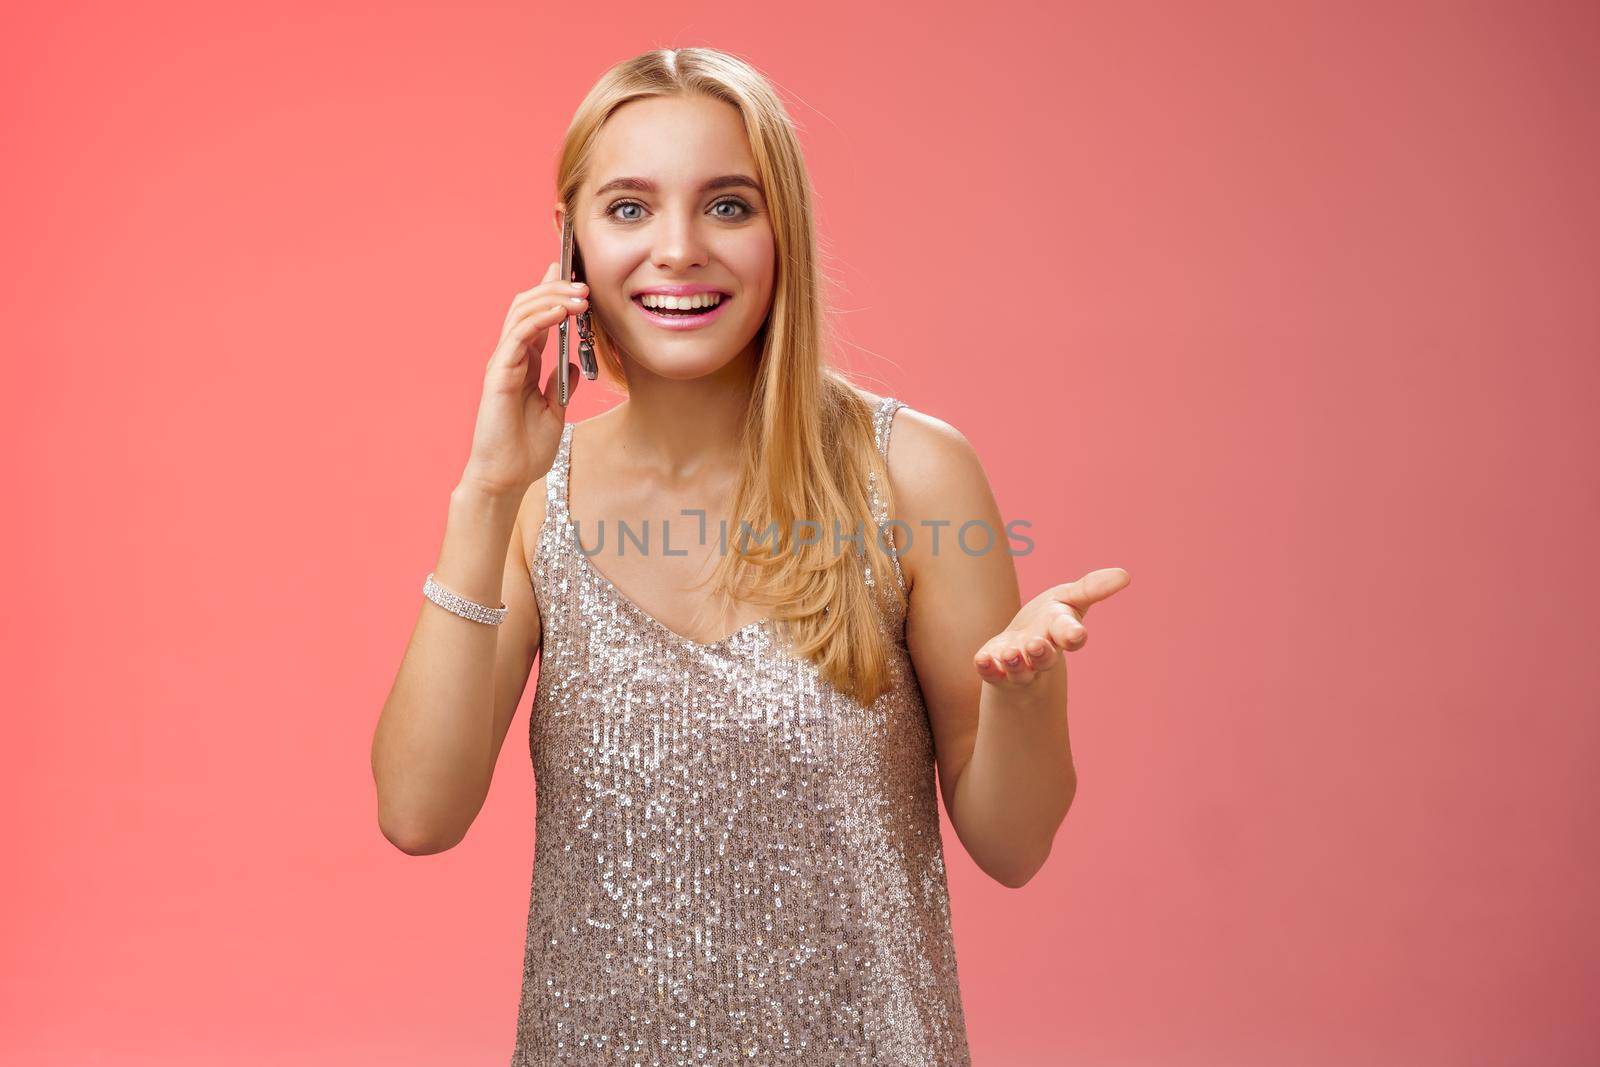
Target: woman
734, 736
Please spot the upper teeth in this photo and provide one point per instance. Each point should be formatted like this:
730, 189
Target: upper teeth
699, 300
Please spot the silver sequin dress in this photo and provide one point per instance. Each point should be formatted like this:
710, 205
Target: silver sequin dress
734, 861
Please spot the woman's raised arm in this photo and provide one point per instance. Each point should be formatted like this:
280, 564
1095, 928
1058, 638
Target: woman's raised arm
459, 682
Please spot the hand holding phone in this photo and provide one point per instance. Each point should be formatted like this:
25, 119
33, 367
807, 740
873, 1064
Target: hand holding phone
519, 424
572, 271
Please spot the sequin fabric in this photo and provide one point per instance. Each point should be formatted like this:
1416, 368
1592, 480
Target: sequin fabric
734, 861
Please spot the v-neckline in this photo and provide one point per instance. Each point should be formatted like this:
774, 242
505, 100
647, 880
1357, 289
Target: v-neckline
570, 534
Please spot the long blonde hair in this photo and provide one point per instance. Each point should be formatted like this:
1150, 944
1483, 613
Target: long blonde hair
808, 444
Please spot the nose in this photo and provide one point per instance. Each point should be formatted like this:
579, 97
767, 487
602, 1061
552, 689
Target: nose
679, 243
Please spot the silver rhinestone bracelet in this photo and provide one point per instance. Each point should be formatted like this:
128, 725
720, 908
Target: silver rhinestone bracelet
467, 609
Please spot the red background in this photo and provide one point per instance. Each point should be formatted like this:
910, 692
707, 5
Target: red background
1289, 309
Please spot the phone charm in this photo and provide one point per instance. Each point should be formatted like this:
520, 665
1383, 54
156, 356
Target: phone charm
586, 358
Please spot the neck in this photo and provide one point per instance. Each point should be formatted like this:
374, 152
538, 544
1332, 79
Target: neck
680, 426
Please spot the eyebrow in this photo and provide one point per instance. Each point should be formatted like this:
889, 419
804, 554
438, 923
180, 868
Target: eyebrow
645, 185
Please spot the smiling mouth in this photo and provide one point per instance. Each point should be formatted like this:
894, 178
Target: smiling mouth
682, 313
680, 320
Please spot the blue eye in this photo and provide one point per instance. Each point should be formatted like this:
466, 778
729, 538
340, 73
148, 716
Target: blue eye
744, 211
744, 208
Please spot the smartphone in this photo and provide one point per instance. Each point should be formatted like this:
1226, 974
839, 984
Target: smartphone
572, 271
563, 386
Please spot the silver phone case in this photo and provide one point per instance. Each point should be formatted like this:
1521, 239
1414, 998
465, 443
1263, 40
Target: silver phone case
586, 358
563, 386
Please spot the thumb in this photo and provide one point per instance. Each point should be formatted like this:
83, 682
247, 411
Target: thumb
552, 387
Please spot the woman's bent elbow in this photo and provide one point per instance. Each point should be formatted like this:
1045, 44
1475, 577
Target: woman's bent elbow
415, 843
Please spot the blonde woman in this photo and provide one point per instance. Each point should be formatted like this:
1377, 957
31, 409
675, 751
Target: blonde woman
739, 716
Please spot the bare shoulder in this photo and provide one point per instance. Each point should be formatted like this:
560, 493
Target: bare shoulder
924, 426
922, 448
918, 438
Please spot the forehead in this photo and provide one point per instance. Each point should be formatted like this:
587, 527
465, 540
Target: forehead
671, 140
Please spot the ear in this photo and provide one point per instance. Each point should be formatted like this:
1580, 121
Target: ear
556, 215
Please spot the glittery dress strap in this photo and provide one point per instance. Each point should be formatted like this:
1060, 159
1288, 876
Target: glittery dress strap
555, 483
883, 421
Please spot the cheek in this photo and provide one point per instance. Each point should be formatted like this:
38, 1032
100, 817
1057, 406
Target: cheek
604, 266
608, 254
755, 262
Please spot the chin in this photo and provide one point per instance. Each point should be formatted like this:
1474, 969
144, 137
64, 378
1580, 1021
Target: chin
682, 359
686, 367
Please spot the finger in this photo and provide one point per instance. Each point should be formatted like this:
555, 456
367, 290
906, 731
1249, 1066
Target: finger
988, 668
550, 273
1102, 583
1040, 653
552, 387
1067, 630
571, 303
1092, 588
576, 295
519, 337
521, 334
574, 299
1015, 663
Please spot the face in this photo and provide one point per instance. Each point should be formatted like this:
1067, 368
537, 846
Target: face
667, 222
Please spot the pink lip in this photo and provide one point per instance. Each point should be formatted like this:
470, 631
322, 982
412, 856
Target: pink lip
684, 322
680, 290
